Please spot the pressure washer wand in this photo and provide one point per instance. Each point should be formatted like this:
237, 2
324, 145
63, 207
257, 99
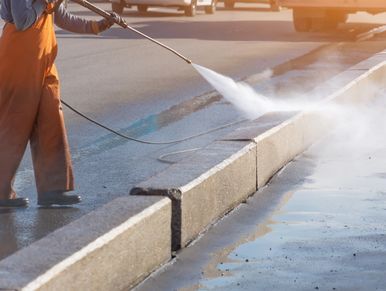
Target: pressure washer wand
123, 24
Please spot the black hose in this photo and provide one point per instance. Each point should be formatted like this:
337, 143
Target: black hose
145, 141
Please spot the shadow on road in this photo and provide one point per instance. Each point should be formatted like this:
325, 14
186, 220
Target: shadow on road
231, 31
172, 12
133, 13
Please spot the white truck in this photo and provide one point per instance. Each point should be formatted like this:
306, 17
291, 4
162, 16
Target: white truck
327, 14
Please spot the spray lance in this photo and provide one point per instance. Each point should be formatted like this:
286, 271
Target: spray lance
122, 23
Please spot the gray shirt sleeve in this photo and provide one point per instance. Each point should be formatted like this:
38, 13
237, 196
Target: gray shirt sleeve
25, 13
72, 23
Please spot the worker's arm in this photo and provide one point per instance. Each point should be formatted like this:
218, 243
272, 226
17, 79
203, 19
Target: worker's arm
23, 13
73, 23
70, 22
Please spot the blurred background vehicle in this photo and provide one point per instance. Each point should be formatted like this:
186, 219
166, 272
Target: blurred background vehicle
188, 6
309, 15
230, 4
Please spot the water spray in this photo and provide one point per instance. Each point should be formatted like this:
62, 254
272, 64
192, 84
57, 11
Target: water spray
122, 23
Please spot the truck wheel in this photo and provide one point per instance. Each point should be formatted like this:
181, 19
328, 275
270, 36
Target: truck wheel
301, 22
142, 8
329, 21
212, 8
191, 9
329, 24
274, 5
337, 16
229, 4
117, 7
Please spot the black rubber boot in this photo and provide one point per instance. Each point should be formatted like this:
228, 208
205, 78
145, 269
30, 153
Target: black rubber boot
15, 202
58, 198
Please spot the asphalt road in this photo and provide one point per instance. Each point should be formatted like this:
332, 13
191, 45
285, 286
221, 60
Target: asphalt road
133, 85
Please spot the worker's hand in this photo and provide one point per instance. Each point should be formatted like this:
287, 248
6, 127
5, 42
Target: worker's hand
115, 18
106, 23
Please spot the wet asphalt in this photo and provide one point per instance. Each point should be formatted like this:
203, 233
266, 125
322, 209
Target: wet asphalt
318, 225
108, 78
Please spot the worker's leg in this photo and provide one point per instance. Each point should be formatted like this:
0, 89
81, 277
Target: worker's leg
17, 114
49, 146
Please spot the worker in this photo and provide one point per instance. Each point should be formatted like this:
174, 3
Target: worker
30, 108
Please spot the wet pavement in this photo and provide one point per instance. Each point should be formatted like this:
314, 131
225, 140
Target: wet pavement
108, 78
318, 225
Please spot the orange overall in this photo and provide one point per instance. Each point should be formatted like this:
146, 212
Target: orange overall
30, 108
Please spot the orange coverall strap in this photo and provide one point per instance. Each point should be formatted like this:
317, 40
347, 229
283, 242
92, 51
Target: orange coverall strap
30, 107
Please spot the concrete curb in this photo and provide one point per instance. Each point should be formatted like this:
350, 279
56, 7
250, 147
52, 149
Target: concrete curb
205, 186
111, 248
